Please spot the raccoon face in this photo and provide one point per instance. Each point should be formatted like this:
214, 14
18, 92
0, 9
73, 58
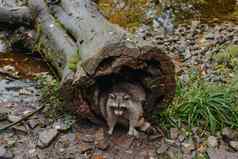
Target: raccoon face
119, 102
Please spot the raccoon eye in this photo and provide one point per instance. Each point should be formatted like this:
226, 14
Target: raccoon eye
111, 96
126, 97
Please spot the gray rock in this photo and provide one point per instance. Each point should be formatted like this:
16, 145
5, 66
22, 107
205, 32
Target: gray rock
84, 147
63, 125
4, 114
142, 31
195, 23
13, 118
120, 4
181, 138
174, 132
235, 40
195, 130
221, 154
102, 144
197, 139
187, 147
174, 153
184, 78
171, 142
100, 141
3, 46
212, 141
46, 137
154, 137
210, 36
162, 149
99, 135
32, 123
4, 153
227, 132
88, 138
234, 144
20, 128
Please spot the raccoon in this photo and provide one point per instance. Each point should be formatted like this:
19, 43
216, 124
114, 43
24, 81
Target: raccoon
125, 101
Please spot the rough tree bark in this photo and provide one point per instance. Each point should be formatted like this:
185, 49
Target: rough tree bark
108, 54
13, 18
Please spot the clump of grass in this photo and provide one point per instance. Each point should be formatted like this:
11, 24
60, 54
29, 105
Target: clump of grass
50, 95
208, 105
199, 103
228, 56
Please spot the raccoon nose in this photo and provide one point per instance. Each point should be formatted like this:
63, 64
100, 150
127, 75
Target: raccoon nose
116, 112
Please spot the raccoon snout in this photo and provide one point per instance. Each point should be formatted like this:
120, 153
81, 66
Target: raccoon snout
118, 112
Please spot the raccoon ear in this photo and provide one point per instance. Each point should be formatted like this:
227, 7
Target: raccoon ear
112, 96
126, 97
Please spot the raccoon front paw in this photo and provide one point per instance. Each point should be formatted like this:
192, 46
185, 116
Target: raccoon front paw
133, 132
110, 131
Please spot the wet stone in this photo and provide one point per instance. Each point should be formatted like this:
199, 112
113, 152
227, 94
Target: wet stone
188, 147
212, 141
181, 138
9, 68
174, 153
32, 123
62, 125
13, 118
21, 129
162, 149
124, 142
100, 141
84, 147
3, 46
46, 137
154, 137
227, 132
4, 153
174, 132
100, 135
234, 145
170, 141
26, 92
88, 138
3, 114
221, 154
102, 144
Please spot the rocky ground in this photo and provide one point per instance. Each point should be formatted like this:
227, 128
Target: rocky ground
194, 43
190, 45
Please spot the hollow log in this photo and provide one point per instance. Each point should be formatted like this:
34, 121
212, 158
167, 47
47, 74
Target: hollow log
108, 55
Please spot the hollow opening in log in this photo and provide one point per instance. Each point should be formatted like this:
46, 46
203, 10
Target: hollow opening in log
104, 84
145, 67
148, 77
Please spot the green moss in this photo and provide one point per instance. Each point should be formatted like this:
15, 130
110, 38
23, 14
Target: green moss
73, 61
45, 52
228, 56
129, 16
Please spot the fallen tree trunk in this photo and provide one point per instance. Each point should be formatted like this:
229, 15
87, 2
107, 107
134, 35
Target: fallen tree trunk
15, 17
108, 55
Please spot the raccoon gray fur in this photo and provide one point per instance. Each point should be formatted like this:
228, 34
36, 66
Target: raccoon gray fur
124, 101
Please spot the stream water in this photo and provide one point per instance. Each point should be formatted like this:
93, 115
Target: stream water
22, 89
